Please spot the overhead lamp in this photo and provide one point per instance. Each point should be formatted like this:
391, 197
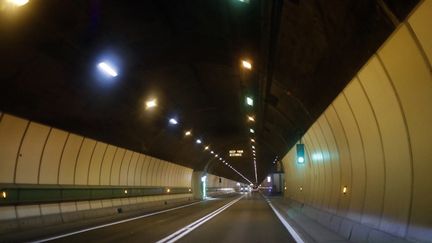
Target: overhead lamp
151, 103
344, 189
103, 66
18, 3
220, 159
253, 147
206, 148
168, 190
212, 152
173, 121
249, 101
252, 140
188, 133
250, 118
3, 194
198, 141
246, 64
251, 130
216, 155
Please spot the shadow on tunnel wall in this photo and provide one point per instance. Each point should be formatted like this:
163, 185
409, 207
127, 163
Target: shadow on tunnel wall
375, 140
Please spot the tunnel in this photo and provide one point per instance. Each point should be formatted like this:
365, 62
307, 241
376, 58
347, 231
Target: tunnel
216, 121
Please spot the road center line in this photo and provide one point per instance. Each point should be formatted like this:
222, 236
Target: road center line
113, 223
190, 227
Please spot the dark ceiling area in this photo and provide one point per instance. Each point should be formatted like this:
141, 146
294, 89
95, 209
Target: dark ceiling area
187, 55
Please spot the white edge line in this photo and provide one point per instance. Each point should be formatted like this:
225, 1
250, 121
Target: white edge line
190, 227
290, 229
113, 223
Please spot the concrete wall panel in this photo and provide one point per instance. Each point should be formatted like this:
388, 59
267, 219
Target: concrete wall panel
83, 161
94, 169
69, 159
12, 131
49, 168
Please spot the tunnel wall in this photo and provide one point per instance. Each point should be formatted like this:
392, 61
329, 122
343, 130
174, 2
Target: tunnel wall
375, 139
36, 156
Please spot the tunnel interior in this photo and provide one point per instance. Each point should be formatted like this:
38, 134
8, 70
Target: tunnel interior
221, 90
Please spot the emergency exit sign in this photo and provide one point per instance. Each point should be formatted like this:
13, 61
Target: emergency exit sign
236, 153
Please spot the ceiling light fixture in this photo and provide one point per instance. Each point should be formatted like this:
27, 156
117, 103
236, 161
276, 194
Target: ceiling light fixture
250, 118
251, 130
107, 69
173, 121
249, 101
188, 133
246, 64
198, 141
18, 3
151, 103
206, 148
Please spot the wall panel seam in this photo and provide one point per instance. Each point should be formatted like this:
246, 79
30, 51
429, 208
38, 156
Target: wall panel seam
349, 150
90, 162
364, 153
419, 46
101, 164
408, 140
42, 154
110, 171
19, 151
76, 159
61, 158
382, 147
331, 160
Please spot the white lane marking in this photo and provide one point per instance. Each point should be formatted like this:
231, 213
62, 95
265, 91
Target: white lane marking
190, 227
290, 229
113, 223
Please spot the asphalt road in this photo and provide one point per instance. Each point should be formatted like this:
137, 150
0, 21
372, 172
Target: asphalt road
248, 220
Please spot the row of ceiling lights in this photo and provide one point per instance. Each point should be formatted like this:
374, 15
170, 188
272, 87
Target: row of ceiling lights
250, 102
107, 69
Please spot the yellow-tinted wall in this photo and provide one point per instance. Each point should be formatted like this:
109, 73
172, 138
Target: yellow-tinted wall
375, 139
31, 153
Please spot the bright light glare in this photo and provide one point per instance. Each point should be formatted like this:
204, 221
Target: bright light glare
251, 130
198, 141
250, 118
168, 190
253, 147
300, 159
188, 133
4, 194
107, 69
206, 147
344, 190
268, 179
216, 155
246, 64
151, 103
203, 178
249, 101
252, 140
173, 121
18, 3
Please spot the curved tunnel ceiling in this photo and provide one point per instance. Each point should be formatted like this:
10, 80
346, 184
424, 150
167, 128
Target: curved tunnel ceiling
187, 54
